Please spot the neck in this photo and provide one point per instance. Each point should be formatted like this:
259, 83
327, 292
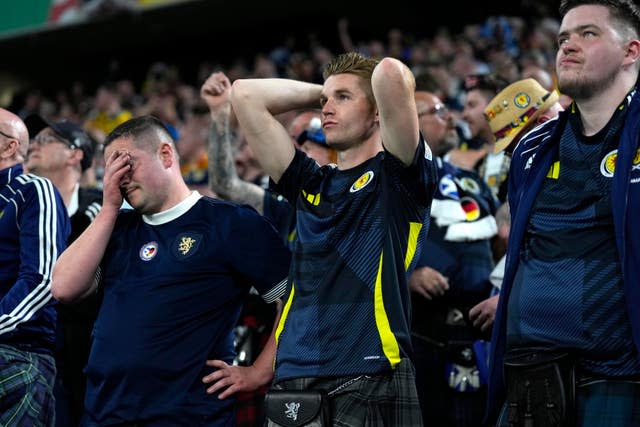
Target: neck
358, 154
487, 136
64, 180
7, 163
597, 110
178, 193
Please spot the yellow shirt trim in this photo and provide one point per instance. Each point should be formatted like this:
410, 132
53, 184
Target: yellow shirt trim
412, 243
388, 339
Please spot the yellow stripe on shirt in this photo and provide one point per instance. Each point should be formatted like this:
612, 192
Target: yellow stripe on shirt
388, 339
412, 243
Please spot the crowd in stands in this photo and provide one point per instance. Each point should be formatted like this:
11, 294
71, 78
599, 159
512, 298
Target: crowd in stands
508, 47
458, 75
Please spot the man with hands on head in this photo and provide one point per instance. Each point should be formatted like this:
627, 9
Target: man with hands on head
224, 179
175, 271
345, 325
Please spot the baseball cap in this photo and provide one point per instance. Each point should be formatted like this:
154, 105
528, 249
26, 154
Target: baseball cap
71, 132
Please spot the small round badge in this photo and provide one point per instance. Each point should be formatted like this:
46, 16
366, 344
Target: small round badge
148, 251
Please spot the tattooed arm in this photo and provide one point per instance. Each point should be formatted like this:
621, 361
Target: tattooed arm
223, 178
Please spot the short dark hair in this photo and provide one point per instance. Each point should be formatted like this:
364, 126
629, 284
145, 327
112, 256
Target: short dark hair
136, 127
622, 11
353, 63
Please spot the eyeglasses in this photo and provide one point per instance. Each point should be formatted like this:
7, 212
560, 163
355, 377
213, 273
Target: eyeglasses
439, 110
8, 136
47, 138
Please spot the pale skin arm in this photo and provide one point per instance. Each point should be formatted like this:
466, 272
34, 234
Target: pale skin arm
256, 102
428, 282
393, 87
484, 313
75, 269
223, 178
244, 378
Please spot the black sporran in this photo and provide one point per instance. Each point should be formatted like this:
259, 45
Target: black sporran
540, 389
293, 408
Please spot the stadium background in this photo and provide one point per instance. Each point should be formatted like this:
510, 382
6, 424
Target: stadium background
47, 44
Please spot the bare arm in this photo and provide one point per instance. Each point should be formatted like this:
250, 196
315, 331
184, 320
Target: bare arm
345, 37
256, 102
74, 272
393, 87
223, 178
240, 378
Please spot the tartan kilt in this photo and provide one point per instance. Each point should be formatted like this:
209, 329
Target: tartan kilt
611, 403
26, 388
608, 403
385, 399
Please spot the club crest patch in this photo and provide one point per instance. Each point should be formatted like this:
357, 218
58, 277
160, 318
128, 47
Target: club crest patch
608, 164
148, 251
362, 182
186, 244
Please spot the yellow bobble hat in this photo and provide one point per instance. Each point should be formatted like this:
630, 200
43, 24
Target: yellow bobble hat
516, 105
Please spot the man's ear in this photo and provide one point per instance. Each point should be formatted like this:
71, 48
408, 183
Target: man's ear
167, 155
77, 156
9, 151
633, 52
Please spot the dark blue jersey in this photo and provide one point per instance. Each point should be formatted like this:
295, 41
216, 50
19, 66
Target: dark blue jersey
569, 267
347, 310
33, 232
535, 162
174, 285
282, 215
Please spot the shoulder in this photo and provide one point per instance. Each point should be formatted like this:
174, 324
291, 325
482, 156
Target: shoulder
214, 203
29, 180
34, 185
226, 208
536, 136
531, 141
446, 168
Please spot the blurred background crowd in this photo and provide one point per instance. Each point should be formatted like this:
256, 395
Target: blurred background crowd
100, 62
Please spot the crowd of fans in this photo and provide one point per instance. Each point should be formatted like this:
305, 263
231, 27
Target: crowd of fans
507, 47
446, 65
